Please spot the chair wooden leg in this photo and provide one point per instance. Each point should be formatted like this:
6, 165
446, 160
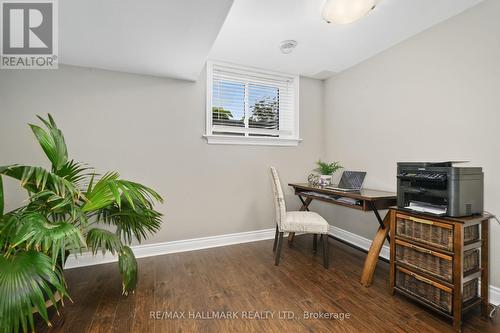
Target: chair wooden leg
275, 239
291, 237
315, 243
325, 252
278, 250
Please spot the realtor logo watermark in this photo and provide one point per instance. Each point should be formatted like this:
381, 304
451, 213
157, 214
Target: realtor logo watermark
29, 34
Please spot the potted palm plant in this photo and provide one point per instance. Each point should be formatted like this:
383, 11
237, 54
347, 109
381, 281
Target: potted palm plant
326, 171
69, 208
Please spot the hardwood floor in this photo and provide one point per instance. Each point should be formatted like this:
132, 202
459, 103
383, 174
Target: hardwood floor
243, 279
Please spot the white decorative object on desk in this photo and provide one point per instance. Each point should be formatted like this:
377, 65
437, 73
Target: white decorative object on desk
313, 179
325, 180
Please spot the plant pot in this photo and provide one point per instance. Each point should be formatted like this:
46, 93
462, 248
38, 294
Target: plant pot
48, 302
325, 180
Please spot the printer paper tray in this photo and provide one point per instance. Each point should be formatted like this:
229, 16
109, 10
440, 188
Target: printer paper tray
421, 207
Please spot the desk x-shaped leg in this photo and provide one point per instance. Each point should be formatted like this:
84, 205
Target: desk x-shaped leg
305, 203
305, 207
379, 219
376, 246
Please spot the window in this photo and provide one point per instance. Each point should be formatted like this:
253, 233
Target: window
246, 106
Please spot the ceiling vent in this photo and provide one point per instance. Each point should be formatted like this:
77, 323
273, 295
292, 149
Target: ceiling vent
287, 46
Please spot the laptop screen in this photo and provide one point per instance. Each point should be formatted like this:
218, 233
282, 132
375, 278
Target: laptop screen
352, 180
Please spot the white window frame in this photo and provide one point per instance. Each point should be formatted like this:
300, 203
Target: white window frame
292, 139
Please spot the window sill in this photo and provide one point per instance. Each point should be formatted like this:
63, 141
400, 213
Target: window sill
251, 141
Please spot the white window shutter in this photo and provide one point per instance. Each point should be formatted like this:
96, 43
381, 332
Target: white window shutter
251, 103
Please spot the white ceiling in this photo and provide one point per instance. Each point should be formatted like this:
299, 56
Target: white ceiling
156, 37
254, 29
174, 38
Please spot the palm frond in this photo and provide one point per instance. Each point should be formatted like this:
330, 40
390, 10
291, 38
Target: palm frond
110, 189
139, 192
104, 240
128, 269
8, 229
52, 142
130, 223
27, 280
100, 194
53, 239
37, 179
74, 172
46, 142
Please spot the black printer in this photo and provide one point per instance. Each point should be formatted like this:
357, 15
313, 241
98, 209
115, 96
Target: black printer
440, 188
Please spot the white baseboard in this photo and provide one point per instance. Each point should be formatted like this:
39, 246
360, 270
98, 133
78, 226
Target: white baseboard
149, 250
495, 295
356, 240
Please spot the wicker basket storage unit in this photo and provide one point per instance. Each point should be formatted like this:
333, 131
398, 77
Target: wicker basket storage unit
432, 233
438, 261
431, 292
432, 262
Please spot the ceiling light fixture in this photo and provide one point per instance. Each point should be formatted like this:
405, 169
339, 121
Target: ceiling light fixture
287, 46
346, 11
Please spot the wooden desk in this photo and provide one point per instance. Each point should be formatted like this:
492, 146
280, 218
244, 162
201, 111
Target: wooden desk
367, 200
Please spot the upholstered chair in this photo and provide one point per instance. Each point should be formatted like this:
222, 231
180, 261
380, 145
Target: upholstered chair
296, 222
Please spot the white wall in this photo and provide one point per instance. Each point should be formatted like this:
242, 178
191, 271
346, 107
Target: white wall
150, 129
433, 97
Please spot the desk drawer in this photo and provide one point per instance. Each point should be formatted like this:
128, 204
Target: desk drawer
434, 294
436, 234
432, 262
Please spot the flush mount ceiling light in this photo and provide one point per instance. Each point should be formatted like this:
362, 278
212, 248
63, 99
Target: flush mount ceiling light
287, 46
346, 11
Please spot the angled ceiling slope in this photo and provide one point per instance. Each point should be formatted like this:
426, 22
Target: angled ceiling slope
156, 37
254, 29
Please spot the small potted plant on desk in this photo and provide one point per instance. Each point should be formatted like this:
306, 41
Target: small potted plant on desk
325, 171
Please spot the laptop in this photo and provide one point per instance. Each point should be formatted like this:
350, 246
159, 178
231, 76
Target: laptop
351, 181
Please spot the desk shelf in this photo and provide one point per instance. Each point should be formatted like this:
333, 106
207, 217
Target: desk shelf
332, 201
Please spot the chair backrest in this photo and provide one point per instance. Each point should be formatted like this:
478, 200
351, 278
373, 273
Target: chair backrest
279, 198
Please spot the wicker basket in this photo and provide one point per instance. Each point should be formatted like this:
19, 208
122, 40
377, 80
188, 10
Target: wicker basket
471, 261
433, 263
439, 235
436, 234
470, 291
436, 295
471, 234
